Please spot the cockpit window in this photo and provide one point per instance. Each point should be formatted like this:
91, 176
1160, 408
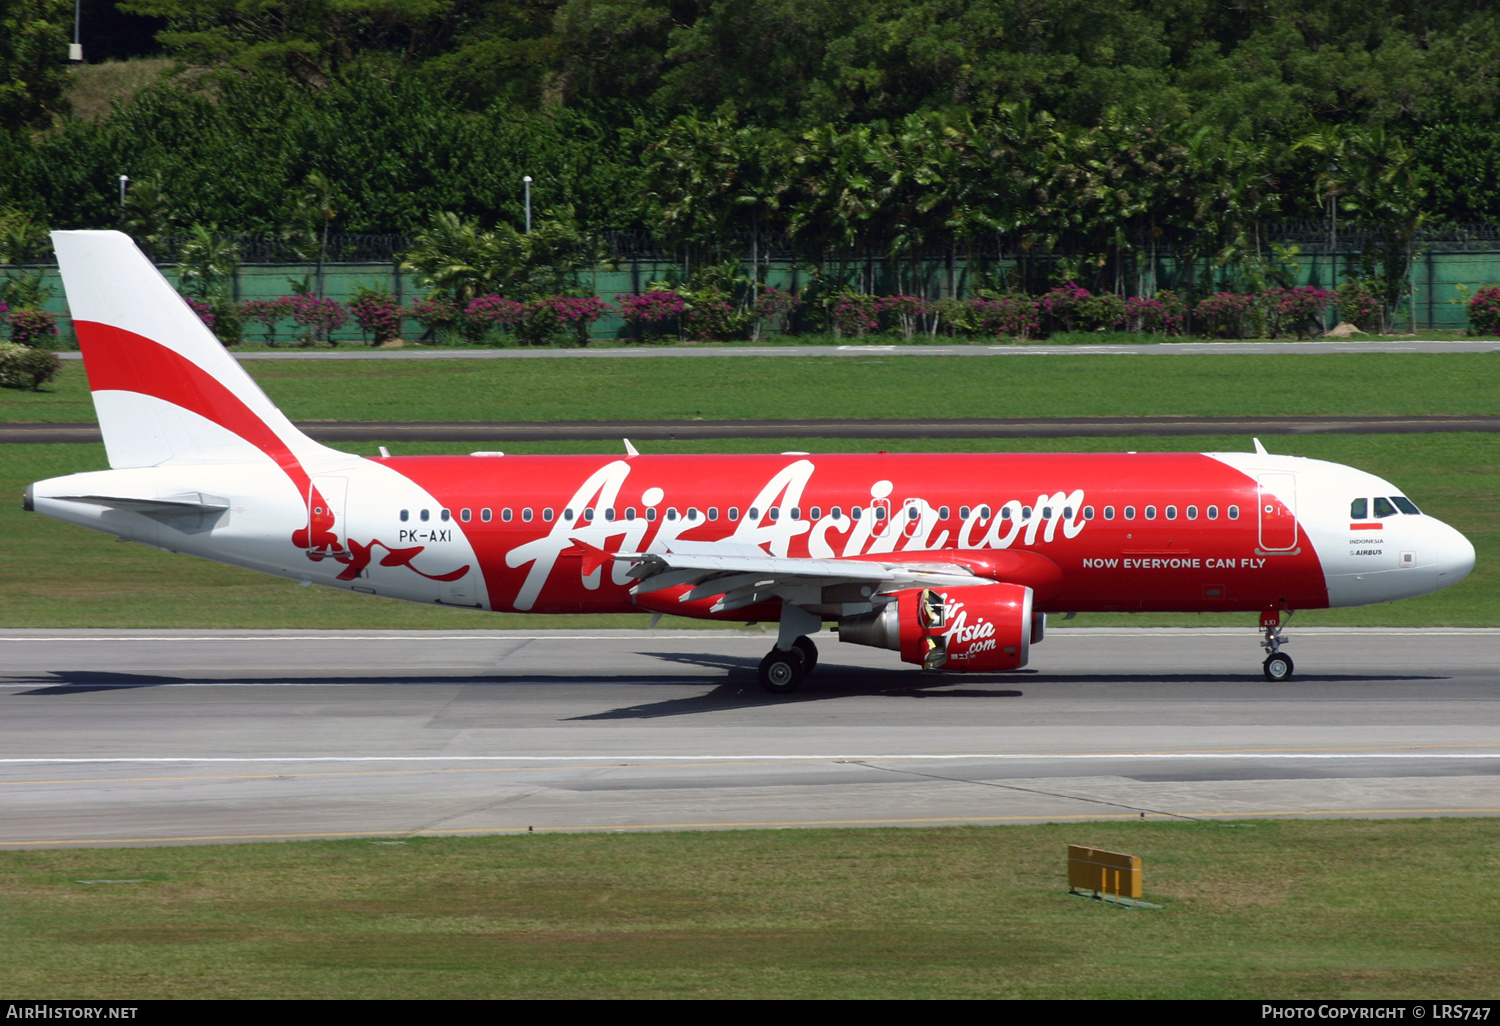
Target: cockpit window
1359, 509
1405, 505
1383, 507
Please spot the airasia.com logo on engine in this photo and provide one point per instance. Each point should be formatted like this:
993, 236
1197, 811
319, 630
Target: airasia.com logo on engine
777, 532
966, 640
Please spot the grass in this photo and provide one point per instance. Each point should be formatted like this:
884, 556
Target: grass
94, 88
864, 386
1253, 909
52, 574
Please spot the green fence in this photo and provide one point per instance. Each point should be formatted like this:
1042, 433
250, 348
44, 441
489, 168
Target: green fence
1441, 280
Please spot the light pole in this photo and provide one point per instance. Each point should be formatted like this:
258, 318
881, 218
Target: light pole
124, 181
75, 48
527, 180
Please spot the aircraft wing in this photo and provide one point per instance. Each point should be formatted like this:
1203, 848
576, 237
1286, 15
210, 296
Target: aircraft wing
743, 575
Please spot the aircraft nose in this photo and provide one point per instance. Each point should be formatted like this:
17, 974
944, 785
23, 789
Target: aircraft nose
1454, 555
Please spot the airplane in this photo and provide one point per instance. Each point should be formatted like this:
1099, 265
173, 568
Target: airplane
954, 561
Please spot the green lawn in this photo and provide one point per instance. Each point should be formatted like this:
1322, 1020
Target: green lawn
1251, 909
52, 574
864, 386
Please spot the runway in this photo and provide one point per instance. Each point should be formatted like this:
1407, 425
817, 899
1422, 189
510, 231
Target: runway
118, 737
478, 432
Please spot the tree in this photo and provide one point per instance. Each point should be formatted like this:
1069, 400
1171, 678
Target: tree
33, 43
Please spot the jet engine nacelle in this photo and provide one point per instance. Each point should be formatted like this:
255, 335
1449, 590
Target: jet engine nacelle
973, 629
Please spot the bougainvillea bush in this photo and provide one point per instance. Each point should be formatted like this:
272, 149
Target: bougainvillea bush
853, 314
1014, 315
1060, 307
904, 313
25, 367
571, 317
317, 318
1162, 314
377, 314
772, 307
1295, 311
1361, 306
1484, 311
27, 327
1224, 314
435, 314
654, 314
268, 313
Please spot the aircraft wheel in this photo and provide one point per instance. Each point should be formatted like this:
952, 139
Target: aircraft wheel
1278, 667
781, 672
809, 653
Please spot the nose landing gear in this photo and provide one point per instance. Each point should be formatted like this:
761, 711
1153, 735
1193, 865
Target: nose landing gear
1278, 665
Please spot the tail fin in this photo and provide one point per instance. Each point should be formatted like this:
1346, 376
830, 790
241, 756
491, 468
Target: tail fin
164, 388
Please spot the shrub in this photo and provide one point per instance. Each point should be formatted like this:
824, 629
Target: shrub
852, 314
1360, 304
1484, 311
1060, 306
203, 310
1223, 314
26, 367
378, 315
436, 315
1294, 311
545, 319
772, 306
317, 317
653, 314
1013, 314
903, 312
494, 313
268, 312
1104, 312
1161, 314
28, 326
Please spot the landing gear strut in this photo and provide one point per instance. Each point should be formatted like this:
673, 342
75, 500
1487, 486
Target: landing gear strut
794, 656
1278, 665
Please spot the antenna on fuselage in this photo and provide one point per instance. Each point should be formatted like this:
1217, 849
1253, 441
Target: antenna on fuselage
1260, 450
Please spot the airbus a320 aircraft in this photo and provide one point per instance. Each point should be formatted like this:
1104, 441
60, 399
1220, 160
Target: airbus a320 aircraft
954, 561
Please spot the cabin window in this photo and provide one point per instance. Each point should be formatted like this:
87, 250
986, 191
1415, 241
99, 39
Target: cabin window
1213, 512
485, 514
629, 512
913, 512
651, 514
588, 514
1234, 512
1359, 509
836, 513
1129, 512
405, 515
1192, 512
774, 513
942, 512
1383, 508
547, 514
1046, 512
671, 512
1067, 512
424, 516
815, 513
505, 514
795, 513
879, 512
568, 514
1109, 512
983, 512
609, 514
1088, 512
734, 513
1026, 512
856, 512
1405, 505
753, 513
526, 514
1171, 512
713, 513
445, 516
1150, 512
963, 512
465, 514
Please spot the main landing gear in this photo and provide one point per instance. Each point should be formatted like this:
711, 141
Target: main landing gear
1278, 665
794, 656
781, 672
